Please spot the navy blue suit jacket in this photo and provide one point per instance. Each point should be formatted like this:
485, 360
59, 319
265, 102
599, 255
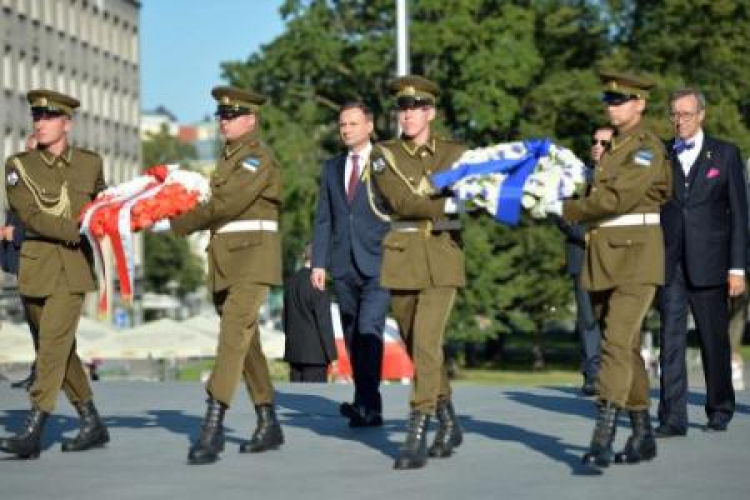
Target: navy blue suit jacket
345, 235
705, 222
10, 251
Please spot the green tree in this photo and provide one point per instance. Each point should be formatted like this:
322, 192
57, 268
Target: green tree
167, 257
162, 147
510, 71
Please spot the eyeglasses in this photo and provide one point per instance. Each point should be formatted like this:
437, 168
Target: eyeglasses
682, 116
600, 142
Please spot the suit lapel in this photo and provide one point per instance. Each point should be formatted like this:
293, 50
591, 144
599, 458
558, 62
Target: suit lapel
340, 170
678, 174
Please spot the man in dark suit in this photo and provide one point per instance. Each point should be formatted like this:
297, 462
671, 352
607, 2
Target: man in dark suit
705, 233
347, 242
587, 327
310, 346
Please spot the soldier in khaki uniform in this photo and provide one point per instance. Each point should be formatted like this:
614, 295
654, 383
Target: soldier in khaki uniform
47, 187
624, 262
244, 258
423, 261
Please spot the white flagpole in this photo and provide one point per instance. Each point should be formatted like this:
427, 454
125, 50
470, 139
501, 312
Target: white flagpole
402, 38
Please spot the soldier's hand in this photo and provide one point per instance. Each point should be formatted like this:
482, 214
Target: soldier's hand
318, 278
160, 226
736, 284
554, 208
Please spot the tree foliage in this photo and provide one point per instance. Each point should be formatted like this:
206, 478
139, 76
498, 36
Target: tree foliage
509, 70
167, 257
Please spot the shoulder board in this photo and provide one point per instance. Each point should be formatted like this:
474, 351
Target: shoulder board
86, 151
449, 140
390, 143
20, 156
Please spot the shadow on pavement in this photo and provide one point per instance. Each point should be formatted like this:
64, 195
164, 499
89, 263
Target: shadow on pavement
321, 415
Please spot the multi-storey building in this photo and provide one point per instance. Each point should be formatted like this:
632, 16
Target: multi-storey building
85, 48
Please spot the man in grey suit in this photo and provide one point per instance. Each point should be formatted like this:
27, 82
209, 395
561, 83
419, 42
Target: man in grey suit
347, 243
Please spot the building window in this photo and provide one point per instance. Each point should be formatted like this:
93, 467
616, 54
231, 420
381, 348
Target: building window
7, 68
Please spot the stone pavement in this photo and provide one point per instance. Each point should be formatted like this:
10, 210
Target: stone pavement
520, 443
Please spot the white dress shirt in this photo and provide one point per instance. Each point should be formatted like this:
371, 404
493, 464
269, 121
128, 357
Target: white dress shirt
688, 156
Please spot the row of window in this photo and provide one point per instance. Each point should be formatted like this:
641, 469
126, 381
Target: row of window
83, 21
119, 105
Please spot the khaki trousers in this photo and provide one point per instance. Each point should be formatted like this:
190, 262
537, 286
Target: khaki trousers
422, 316
623, 379
239, 352
58, 366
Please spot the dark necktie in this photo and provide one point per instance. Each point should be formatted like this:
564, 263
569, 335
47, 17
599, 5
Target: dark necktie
351, 188
681, 145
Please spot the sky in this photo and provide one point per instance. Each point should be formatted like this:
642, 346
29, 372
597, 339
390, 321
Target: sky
183, 43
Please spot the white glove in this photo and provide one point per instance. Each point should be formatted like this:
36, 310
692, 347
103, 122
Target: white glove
554, 208
160, 226
454, 205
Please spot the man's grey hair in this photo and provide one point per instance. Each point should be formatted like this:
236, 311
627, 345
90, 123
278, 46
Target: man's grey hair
689, 91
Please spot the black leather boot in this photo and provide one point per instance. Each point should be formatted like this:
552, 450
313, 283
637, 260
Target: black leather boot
449, 434
267, 435
413, 453
211, 440
27, 382
641, 444
600, 452
92, 434
27, 443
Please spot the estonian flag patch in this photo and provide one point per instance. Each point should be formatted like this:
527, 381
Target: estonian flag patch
251, 163
643, 157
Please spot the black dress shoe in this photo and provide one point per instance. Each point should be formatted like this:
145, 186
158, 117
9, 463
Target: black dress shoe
667, 431
366, 418
360, 417
348, 410
716, 425
588, 388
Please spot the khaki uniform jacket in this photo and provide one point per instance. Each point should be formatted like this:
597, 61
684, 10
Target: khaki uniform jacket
246, 185
53, 248
633, 177
417, 259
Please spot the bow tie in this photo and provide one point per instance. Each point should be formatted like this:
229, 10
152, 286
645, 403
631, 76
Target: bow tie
681, 145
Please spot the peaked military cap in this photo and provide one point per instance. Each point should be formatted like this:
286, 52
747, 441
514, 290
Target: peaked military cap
622, 87
43, 101
233, 101
414, 90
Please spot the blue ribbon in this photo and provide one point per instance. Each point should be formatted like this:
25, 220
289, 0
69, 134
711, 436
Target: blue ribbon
508, 209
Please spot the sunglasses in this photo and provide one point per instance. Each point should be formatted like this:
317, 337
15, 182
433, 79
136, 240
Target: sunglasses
617, 99
600, 142
38, 115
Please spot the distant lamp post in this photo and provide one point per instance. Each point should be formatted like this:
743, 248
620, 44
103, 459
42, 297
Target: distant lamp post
172, 286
